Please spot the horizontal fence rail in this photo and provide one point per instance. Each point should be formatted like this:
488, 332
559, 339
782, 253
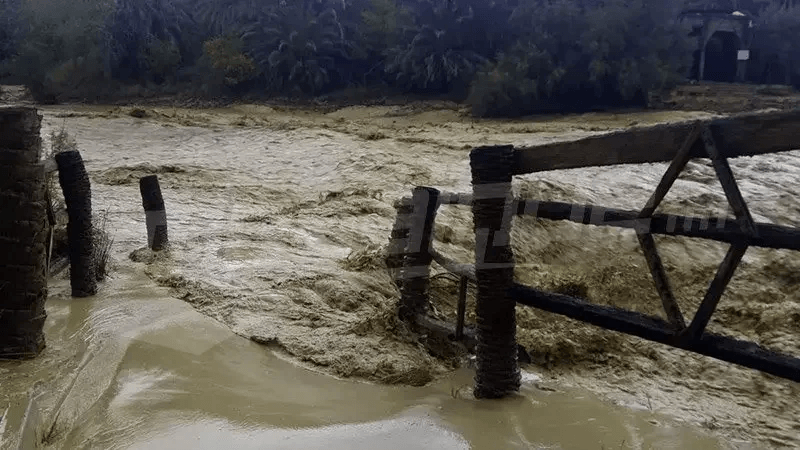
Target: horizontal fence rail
654, 329
744, 135
493, 206
712, 228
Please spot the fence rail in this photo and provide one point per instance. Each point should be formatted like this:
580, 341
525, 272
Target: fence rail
493, 206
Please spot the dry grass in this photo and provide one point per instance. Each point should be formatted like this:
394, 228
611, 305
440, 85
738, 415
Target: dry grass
371, 257
102, 246
61, 141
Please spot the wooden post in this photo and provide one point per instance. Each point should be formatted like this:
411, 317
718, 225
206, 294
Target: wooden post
155, 213
462, 307
398, 241
77, 190
415, 273
23, 234
497, 372
701, 70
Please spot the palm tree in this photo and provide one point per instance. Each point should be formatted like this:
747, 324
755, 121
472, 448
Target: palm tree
221, 17
9, 28
442, 54
134, 23
299, 47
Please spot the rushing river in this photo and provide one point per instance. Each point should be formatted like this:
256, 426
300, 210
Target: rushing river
264, 208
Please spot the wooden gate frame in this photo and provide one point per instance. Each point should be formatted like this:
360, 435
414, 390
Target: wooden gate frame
494, 206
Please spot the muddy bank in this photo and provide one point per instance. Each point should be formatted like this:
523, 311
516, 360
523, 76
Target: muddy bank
278, 217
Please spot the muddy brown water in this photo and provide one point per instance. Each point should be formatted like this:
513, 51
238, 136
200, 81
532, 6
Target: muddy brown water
277, 218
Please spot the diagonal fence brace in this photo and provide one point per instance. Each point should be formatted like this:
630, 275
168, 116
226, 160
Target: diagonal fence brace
646, 240
673, 171
662, 282
715, 291
729, 185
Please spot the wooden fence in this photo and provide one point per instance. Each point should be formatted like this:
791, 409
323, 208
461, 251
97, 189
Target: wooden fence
494, 206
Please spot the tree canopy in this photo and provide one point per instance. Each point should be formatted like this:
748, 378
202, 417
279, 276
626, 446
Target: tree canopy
536, 54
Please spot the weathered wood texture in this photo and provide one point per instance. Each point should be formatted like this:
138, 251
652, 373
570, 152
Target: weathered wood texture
728, 182
715, 290
661, 280
717, 229
415, 271
497, 374
460, 269
463, 283
673, 171
23, 235
77, 190
654, 329
744, 135
155, 212
20, 125
444, 330
398, 241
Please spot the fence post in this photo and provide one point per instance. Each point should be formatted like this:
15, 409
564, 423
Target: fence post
398, 240
497, 373
155, 212
415, 273
23, 234
77, 190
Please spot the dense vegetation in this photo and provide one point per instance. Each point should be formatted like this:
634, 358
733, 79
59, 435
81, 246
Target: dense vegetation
505, 57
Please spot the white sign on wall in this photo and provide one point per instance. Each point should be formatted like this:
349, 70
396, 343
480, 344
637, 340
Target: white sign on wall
744, 55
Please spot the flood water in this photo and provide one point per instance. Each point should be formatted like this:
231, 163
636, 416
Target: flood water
263, 209
156, 374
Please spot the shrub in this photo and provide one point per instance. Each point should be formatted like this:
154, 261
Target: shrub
509, 87
160, 58
775, 39
609, 54
228, 65
103, 241
60, 52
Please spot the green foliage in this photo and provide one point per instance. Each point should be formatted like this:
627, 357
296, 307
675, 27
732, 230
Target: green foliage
222, 17
576, 57
60, 51
296, 49
634, 48
510, 56
439, 57
384, 24
9, 28
135, 24
514, 84
776, 39
226, 62
160, 58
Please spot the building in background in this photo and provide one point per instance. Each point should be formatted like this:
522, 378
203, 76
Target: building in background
723, 43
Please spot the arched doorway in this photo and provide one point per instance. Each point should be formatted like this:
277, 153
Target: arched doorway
721, 57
